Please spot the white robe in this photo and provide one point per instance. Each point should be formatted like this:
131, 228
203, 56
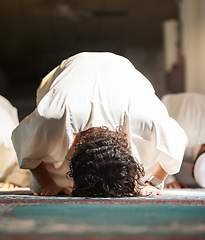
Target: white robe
9, 168
92, 90
188, 109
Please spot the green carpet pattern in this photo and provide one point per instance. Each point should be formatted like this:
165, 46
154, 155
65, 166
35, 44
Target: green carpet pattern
175, 215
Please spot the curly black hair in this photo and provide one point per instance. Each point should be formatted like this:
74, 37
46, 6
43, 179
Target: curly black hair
102, 165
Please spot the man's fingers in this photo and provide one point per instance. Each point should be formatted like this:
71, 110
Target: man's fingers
150, 191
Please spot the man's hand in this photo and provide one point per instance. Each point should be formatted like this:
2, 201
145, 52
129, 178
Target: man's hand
47, 183
52, 191
149, 190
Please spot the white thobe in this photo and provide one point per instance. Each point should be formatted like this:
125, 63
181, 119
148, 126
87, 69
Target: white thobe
9, 168
93, 90
188, 109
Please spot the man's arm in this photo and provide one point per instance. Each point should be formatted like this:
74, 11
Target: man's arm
149, 189
47, 183
159, 172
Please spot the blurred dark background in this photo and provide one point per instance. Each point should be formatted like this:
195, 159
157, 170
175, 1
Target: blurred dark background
36, 35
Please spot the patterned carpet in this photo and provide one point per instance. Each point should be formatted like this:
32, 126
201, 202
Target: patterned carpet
178, 214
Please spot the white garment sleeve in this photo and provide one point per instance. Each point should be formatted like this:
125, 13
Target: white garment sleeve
38, 139
170, 142
9, 169
158, 138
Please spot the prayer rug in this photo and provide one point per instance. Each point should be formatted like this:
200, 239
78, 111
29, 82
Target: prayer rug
178, 214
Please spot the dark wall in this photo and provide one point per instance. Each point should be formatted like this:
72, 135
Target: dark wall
36, 35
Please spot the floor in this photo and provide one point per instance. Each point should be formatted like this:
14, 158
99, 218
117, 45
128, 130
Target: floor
178, 214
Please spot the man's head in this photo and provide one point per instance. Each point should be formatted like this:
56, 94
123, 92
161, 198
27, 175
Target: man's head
102, 165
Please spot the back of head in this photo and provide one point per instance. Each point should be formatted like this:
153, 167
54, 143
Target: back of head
102, 165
